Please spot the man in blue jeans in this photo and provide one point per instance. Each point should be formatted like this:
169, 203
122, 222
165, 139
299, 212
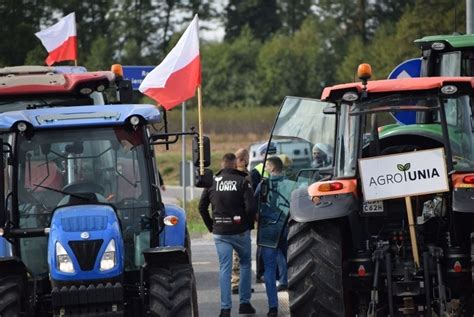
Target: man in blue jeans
272, 230
233, 214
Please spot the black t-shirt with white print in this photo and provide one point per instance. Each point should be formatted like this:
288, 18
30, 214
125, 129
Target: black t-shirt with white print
233, 204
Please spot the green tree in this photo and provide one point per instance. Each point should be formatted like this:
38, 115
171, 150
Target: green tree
293, 13
393, 43
260, 16
294, 65
100, 56
20, 20
228, 71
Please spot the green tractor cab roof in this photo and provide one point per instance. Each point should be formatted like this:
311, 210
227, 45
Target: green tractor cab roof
336, 92
456, 41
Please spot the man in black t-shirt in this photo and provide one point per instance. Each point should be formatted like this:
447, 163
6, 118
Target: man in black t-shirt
233, 214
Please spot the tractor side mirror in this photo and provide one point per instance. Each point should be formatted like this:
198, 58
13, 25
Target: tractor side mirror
125, 91
207, 151
206, 180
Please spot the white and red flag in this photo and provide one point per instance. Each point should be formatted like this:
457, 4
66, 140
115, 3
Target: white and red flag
60, 40
179, 74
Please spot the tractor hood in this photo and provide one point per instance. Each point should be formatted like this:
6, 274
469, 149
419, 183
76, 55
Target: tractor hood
428, 130
80, 236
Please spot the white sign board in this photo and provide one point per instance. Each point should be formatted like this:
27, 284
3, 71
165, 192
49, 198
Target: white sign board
405, 174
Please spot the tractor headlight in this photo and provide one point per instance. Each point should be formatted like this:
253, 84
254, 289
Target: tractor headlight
108, 259
63, 261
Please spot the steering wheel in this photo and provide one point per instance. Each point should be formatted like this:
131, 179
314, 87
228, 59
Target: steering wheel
84, 187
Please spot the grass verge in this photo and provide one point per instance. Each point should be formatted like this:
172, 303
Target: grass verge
194, 221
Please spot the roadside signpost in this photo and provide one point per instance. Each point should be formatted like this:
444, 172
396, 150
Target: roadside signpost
410, 68
136, 74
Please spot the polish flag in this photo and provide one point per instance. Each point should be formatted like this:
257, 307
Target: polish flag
179, 74
60, 40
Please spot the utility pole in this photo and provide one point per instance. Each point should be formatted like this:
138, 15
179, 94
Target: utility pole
469, 16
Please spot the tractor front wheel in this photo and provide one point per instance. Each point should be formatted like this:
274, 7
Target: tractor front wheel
10, 296
173, 291
315, 269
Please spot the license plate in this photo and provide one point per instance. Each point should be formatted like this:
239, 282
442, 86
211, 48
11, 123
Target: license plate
372, 206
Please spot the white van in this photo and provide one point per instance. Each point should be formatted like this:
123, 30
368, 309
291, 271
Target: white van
299, 151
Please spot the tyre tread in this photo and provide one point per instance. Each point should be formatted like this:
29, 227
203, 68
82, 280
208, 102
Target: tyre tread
315, 270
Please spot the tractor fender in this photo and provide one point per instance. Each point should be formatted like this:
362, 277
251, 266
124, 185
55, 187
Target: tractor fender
174, 235
166, 256
302, 209
5, 248
12, 265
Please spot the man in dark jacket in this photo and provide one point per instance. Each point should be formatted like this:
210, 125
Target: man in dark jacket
233, 214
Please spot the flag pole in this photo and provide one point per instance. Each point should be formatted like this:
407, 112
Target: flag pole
411, 226
183, 153
201, 145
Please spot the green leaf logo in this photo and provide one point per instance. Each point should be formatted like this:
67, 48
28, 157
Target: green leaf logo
403, 168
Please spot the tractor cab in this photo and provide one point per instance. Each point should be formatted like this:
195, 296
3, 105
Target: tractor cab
85, 225
385, 197
447, 55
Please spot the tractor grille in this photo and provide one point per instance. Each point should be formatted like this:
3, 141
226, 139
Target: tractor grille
86, 252
86, 223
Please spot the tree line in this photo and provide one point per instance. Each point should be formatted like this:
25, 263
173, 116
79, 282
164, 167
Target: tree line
271, 48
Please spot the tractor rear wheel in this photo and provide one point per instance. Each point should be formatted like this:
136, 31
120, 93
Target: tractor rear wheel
10, 296
173, 291
315, 269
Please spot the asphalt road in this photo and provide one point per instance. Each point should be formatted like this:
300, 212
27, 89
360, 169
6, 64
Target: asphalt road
207, 278
173, 193
206, 267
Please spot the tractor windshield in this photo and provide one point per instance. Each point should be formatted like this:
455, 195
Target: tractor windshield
455, 63
304, 136
302, 146
369, 128
83, 166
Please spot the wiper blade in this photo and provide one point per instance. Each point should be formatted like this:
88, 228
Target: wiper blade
395, 97
392, 109
62, 192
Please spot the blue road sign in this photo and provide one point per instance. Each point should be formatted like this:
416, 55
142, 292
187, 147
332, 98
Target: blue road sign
408, 69
136, 74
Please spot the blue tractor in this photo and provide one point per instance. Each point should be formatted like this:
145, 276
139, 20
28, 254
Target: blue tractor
80, 208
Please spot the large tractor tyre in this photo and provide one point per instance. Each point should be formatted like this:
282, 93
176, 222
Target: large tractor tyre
10, 296
315, 269
173, 291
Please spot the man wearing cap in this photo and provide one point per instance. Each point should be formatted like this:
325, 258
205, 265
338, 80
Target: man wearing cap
321, 155
233, 213
257, 172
